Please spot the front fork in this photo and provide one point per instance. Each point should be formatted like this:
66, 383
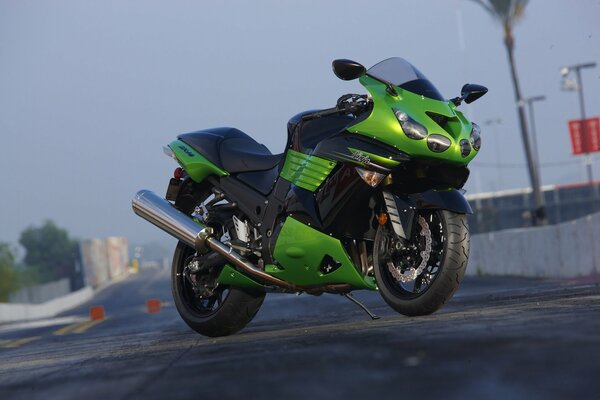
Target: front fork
400, 215
402, 208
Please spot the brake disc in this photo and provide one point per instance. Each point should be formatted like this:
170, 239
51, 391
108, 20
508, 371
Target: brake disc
412, 273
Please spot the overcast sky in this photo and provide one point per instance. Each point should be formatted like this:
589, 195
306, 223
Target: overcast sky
90, 91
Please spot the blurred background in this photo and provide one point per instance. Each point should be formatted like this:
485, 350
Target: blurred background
90, 91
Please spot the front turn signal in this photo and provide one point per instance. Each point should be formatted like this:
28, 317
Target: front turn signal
371, 178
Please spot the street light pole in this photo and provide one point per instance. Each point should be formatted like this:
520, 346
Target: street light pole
579, 87
588, 160
536, 154
494, 122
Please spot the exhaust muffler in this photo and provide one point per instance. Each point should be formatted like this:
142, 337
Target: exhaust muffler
165, 216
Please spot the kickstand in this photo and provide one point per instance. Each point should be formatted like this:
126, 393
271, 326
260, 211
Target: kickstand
361, 305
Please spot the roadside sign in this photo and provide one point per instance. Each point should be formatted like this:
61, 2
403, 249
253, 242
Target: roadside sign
592, 128
576, 139
592, 133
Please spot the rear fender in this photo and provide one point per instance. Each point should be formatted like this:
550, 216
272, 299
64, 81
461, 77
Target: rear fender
195, 164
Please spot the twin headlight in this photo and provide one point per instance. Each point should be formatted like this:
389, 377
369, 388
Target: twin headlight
411, 128
436, 143
476, 137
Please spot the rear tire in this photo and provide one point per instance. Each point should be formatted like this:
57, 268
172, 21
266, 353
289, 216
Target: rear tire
446, 266
230, 309
235, 311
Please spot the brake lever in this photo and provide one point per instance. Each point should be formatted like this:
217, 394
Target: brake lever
354, 107
343, 98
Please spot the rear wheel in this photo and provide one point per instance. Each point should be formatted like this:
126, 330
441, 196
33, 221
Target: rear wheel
210, 311
419, 275
207, 307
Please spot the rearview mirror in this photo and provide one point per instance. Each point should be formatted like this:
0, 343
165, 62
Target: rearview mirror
471, 92
347, 70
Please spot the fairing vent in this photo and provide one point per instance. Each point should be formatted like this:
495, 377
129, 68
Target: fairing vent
439, 119
448, 124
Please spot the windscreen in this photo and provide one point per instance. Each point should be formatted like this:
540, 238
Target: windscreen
403, 74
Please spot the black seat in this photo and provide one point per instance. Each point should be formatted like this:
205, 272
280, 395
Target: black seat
232, 150
245, 154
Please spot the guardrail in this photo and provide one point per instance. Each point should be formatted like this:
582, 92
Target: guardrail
569, 249
10, 312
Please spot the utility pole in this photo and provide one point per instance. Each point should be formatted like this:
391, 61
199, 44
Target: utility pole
538, 215
536, 154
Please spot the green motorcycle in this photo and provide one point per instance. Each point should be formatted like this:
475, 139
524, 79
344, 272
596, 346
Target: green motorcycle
365, 196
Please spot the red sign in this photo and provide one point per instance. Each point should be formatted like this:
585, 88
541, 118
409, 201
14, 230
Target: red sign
592, 133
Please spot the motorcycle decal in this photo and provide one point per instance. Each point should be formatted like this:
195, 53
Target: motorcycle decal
185, 150
357, 149
194, 163
306, 171
360, 156
374, 159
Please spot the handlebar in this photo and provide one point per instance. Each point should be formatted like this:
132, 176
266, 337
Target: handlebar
322, 113
347, 104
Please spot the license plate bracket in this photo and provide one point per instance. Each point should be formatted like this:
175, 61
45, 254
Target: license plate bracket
173, 189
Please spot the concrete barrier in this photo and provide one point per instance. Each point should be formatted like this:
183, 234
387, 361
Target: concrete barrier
20, 312
41, 293
570, 249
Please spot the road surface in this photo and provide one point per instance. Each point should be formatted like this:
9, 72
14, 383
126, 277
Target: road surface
499, 338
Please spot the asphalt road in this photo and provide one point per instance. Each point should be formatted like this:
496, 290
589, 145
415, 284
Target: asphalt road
499, 338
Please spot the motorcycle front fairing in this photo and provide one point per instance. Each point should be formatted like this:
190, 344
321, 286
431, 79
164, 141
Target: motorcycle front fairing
409, 114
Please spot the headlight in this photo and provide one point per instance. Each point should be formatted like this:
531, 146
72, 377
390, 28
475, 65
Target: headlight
411, 128
465, 147
438, 143
476, 137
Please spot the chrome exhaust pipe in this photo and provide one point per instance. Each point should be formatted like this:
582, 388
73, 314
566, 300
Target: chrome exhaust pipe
165, 216
252, 270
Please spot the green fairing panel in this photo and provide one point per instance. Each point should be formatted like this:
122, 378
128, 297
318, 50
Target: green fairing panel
231, 277
383, 125
299, 251
194, 163
306, 171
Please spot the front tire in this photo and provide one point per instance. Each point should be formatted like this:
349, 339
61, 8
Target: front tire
418, 276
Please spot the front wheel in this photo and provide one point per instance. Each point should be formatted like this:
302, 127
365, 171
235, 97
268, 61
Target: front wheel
419, 275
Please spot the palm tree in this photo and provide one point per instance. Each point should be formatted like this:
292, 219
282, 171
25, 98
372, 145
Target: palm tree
508, 13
